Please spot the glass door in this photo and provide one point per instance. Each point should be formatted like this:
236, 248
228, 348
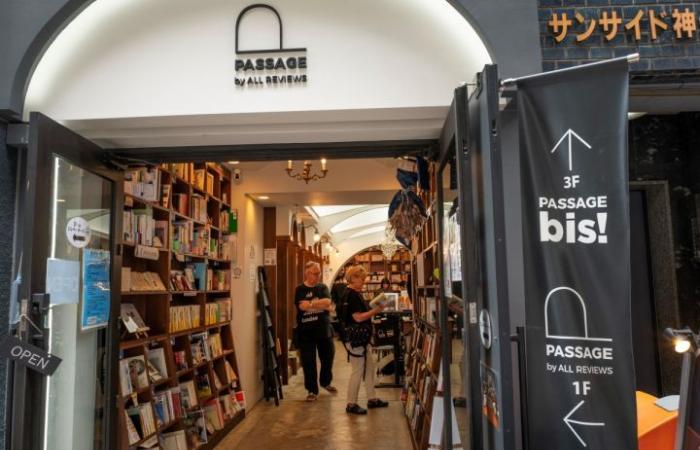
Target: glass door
70, 219
475, 323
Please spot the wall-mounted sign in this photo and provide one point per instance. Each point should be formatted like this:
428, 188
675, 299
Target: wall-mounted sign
585, 24
576, 235
259, 67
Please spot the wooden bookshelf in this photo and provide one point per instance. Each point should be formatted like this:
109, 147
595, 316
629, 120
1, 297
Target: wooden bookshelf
424, 350
187, 206
396, 270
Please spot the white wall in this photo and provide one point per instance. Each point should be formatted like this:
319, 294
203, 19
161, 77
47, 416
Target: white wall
166, 58
246, 330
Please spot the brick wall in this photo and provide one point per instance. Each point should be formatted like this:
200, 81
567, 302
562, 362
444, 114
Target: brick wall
666, 55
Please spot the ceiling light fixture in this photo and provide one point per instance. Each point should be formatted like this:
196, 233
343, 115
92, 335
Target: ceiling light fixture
234, 162
305, 175
263, 197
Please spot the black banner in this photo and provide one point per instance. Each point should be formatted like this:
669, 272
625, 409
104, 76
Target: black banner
580, 373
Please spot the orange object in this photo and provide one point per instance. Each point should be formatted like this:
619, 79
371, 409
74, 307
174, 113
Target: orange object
656, 427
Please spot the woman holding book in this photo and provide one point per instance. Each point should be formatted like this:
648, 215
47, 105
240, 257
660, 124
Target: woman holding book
358, 314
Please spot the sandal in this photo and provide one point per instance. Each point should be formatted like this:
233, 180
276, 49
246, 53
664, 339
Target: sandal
311, 397
355, 409
331, 389
377, 403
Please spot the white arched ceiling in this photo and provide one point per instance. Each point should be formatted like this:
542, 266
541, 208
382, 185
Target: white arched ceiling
161, 72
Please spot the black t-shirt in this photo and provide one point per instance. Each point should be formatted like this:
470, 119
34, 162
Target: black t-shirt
313, 324
355, 304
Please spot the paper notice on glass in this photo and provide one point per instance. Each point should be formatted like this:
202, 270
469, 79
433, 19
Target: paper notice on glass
63, 281
96, 289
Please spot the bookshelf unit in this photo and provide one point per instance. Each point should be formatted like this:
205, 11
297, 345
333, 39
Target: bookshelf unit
176, 279
424, 350
378, 267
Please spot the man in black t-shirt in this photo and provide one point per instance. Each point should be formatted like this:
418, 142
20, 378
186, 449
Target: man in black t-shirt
314, 334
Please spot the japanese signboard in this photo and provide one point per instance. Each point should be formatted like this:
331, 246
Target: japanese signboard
576, 238
681, 21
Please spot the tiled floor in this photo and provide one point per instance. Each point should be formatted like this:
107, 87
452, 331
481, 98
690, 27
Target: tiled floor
298, 425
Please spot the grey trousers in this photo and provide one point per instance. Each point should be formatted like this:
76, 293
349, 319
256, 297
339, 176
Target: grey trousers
361, 366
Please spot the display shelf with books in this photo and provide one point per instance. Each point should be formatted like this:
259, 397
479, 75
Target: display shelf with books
397, 270
178, 368
424, 351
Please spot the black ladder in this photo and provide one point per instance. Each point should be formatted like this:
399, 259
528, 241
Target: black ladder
272, 381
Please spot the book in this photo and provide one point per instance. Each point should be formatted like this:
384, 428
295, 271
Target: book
231, 376
214, 414
175, 440
180, 360
131, 318
165, 195
195, 428
188, 395
125, 385
203, 385
156, 356
131, 432
137, 371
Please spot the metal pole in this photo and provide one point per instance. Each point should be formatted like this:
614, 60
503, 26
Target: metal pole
631, 58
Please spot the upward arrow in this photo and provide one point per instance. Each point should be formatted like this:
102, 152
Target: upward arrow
569, 133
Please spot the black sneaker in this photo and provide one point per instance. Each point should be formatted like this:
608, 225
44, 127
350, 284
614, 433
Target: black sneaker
355, 409
377, 403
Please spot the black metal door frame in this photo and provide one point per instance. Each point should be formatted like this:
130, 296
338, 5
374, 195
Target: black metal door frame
46, 139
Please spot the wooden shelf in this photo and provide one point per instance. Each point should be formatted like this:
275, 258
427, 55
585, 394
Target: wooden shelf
140, 342
154, 306
133, 293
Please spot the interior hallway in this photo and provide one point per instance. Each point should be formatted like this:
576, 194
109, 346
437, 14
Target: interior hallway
323, 424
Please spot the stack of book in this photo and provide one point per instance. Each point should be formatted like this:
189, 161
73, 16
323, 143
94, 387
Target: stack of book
221, 280
200, 240
214, 414
183, 231
140, 422
167, 405
141, 228
184, 317
143, 182
199, 345
183, 280
215, 346
141, 281
217, 312
181, 203
199, 208
185, 171
175, 440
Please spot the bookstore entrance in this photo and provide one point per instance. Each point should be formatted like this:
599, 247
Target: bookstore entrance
151, 246
142, 279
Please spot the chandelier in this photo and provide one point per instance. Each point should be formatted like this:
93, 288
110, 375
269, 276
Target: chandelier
305, 175
389, 245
